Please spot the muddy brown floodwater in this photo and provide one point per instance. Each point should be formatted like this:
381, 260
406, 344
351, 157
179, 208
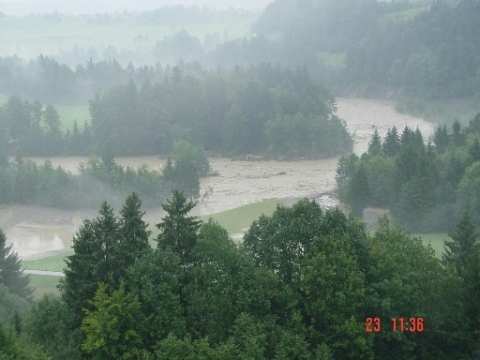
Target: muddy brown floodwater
37, 232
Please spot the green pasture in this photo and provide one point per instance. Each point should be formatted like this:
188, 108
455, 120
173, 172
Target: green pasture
54, 263
238, 220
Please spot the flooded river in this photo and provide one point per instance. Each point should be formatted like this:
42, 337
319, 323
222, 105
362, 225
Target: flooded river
37, 231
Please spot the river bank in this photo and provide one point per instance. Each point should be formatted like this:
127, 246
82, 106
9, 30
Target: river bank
37, 231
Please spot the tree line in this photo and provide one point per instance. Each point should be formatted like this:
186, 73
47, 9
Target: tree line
300, 286
426, 186
22, 181
260, 110
426, 49
257, 110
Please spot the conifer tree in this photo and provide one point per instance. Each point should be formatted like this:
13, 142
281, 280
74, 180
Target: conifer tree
81, 273
391, 146
463, 255
178, 230
11, 273
134, 233
107, 234
459, 251
375, 145
359, 191
94, 260
457, 136
474, 150
440, 139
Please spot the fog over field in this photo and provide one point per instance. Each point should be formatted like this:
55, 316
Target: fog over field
23, 7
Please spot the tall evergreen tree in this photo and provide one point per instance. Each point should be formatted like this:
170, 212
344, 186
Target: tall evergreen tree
178, 230
457, 136
474, 150
134, 233
375, 145
463, 255
459, 251
107, 234
3, 146
11, 273
359, 191
81, 273
94, 261
391, 146
440, 138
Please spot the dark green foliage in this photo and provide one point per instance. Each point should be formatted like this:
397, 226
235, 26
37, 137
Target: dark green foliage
178, 230
49, 325
11, 304
300, 287
30, 128
307, 248
81, 273
441, 139
462, 258
24, 182
104, 249
459, 251
391, 145
236, 112
110, 328
14, 347
11, 273
359, 192
233, 112
156, 281
421, 49
134, 233
425, 186
375, 145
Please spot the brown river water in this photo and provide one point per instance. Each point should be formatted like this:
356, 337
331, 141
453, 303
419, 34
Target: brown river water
38, 232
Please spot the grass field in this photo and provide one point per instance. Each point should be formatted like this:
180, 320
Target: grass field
68, 114
44, 285
53, 263
239, 219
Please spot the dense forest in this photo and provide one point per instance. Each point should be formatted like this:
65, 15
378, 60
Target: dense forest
426, 186
24, 182
299, 287
260, 110
427, 49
